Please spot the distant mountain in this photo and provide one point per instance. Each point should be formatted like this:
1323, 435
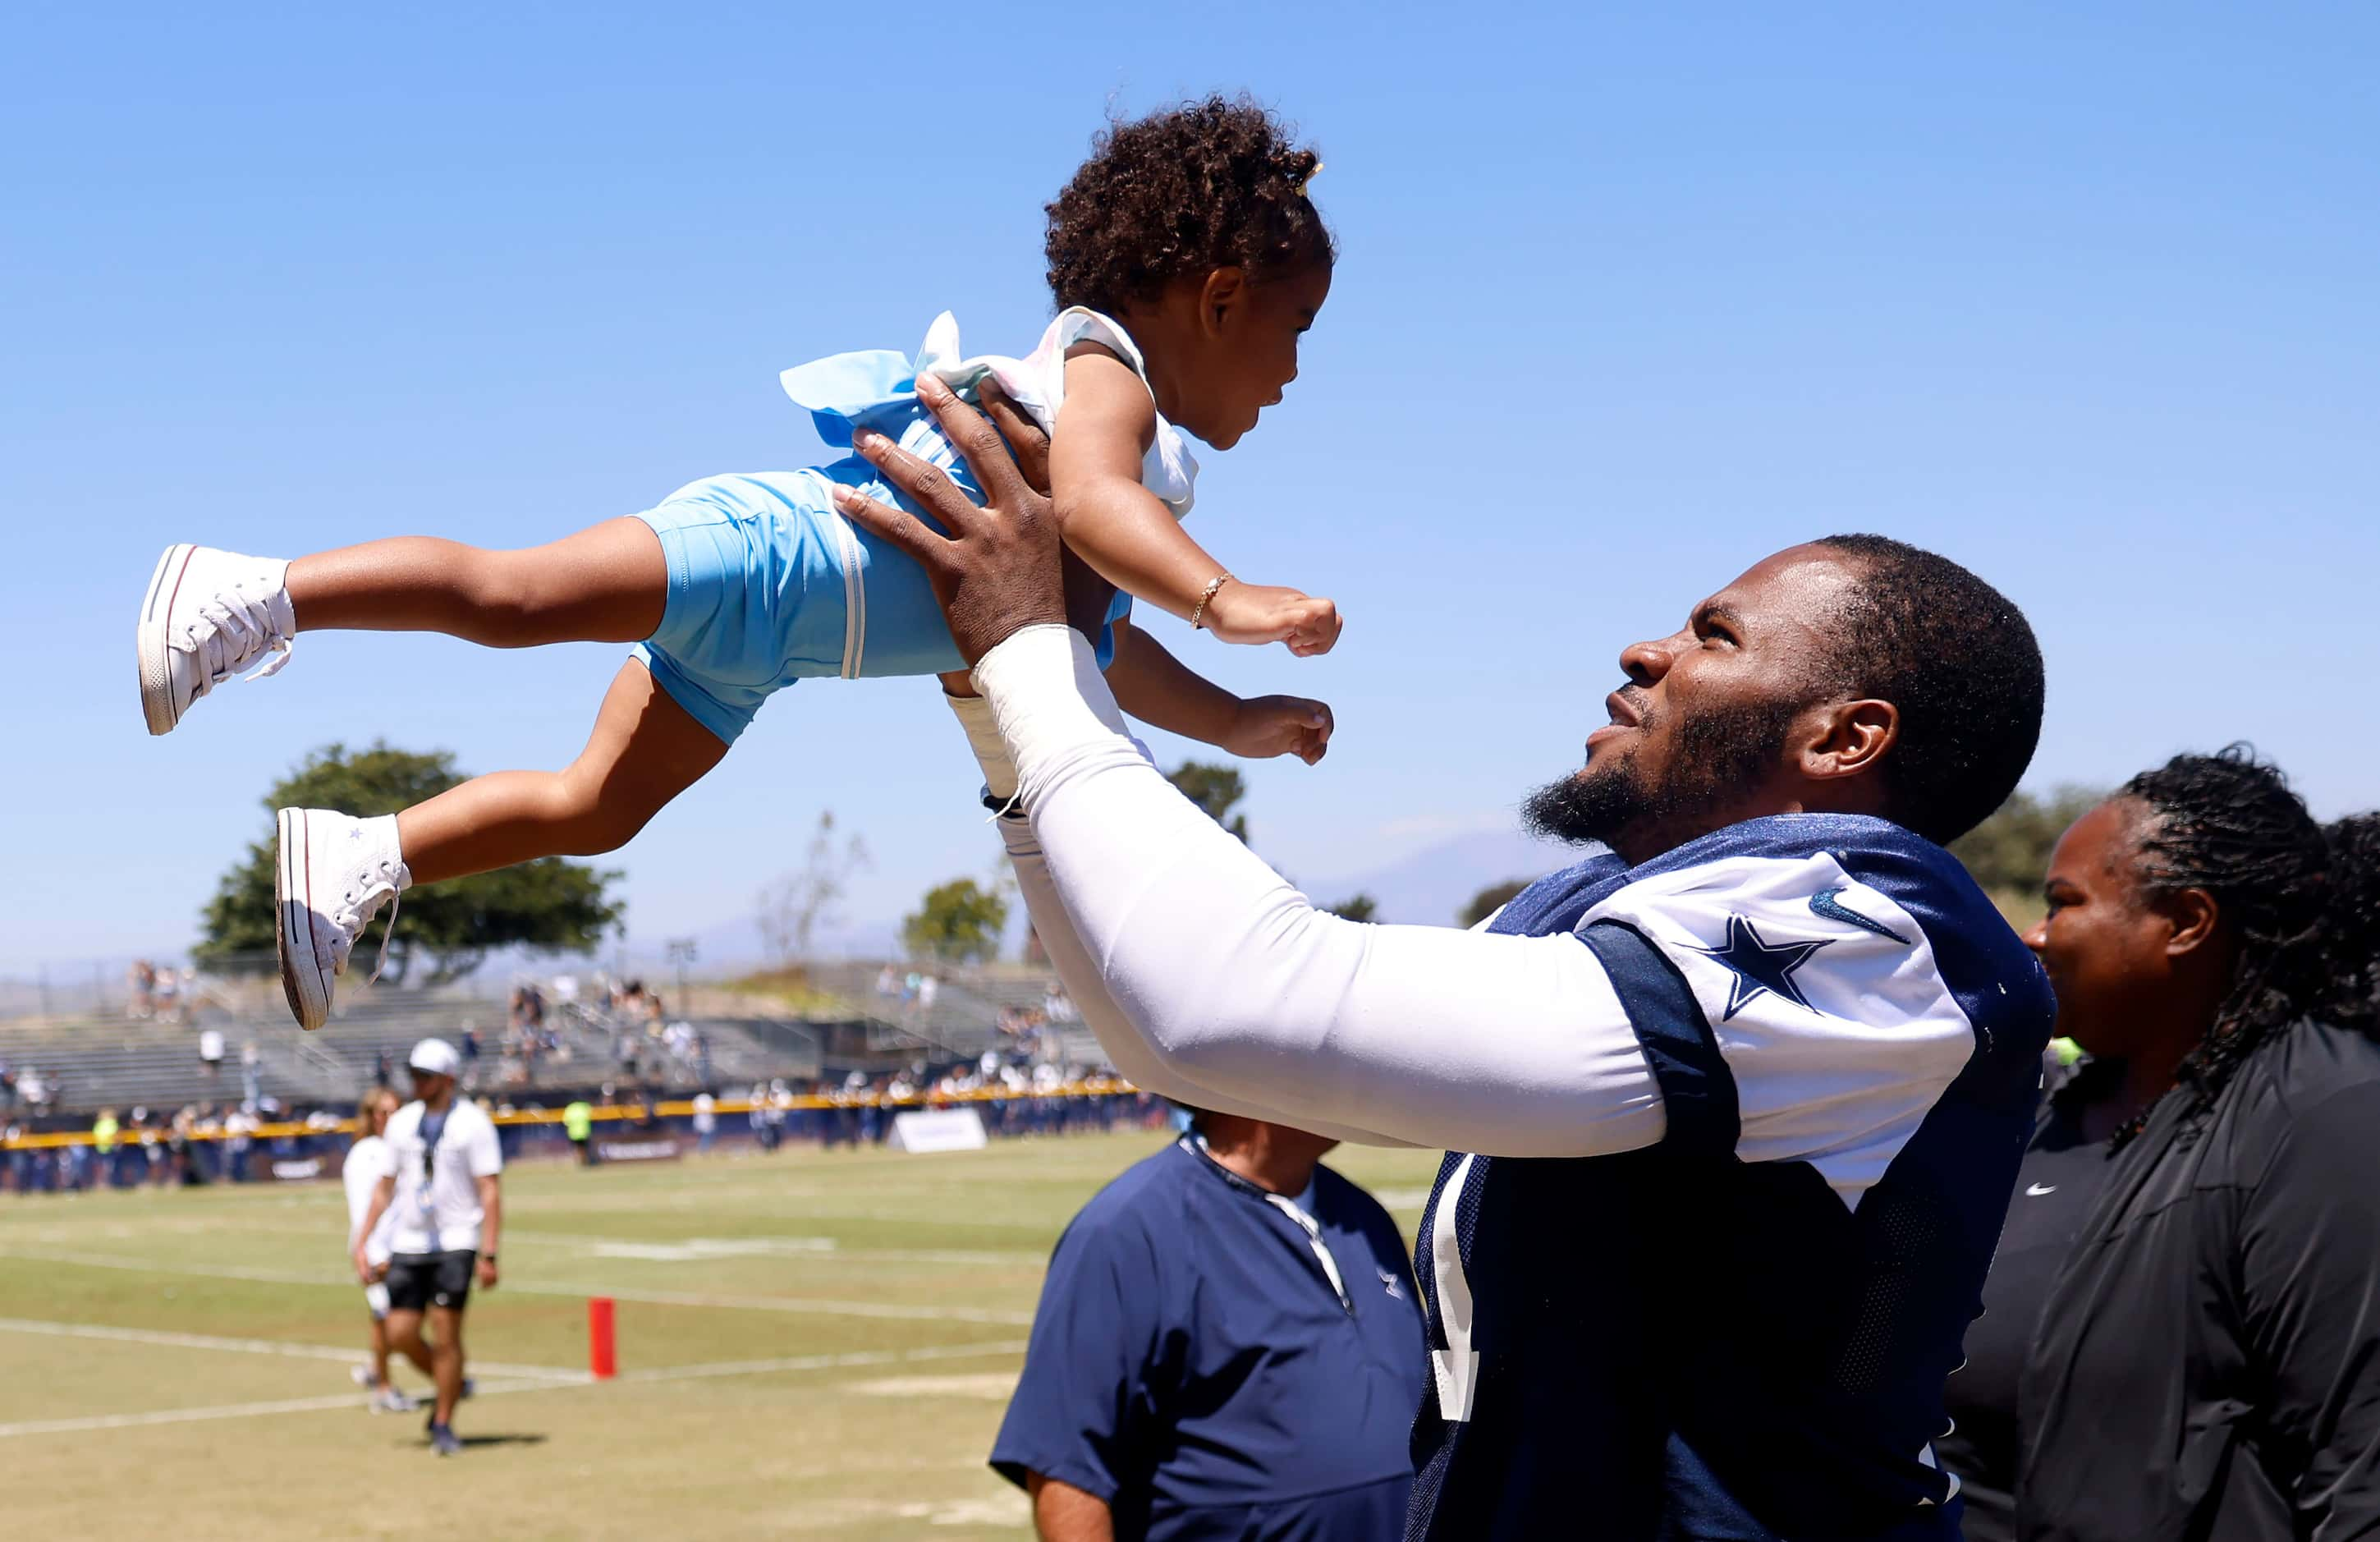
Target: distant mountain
1428, 887
1431, 886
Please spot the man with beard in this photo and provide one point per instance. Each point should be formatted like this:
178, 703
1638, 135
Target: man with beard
1731, 1108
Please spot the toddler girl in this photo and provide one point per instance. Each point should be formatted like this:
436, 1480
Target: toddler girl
1185, 258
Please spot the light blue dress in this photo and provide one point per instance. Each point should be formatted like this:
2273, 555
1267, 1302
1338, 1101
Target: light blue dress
768, 584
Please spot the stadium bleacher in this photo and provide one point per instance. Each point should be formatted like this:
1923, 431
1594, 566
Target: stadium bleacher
91, 1059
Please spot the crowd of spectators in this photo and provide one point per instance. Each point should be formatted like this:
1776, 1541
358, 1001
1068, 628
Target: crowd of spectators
205, 1143
1015, 1095
161, 993
24, 1089
200, 1143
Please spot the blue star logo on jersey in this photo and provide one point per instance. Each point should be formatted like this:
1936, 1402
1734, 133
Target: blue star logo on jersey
1759, 967
1827, 903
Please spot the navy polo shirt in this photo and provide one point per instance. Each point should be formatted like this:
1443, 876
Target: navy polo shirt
1192, 1365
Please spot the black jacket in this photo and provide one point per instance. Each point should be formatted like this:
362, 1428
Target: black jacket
2208, 1364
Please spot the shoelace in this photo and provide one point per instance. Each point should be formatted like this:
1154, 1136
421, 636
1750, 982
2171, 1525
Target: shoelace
352, 918
239, 632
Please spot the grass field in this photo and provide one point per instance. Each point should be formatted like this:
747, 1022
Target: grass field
811, 1343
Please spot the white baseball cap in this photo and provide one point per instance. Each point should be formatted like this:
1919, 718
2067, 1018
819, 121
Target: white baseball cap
435, 1056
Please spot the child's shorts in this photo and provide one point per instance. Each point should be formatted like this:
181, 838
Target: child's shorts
769, 585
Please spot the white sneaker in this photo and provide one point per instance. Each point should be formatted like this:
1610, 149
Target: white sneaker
390, 1401
334, 874
209, 615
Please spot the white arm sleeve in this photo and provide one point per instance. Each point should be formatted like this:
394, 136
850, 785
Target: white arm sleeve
1125, 1048
1227, 979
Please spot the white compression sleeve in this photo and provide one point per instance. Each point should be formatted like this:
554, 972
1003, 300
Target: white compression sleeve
1124, 1048
1231, 980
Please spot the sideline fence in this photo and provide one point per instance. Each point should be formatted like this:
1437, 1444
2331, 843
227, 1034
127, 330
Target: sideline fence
673, 1108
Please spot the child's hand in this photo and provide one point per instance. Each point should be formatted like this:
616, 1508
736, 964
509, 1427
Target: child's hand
1270, 725
1259, 613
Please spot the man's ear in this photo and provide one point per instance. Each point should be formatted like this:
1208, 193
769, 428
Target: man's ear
1221, 294
1850, 738
2194, 915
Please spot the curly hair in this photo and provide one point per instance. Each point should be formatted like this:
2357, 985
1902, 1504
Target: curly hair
1960, 662
1210, 184
2302, 902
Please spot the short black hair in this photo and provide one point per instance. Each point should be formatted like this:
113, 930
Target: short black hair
1209, 184
1959, 661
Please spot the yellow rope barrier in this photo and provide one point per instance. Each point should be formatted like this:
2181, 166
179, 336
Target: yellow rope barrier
1096, 1086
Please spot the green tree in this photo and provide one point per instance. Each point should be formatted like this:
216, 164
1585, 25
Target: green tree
1488, 901
1216, 789
2009, 853
958, 922
1354, 908
546, 904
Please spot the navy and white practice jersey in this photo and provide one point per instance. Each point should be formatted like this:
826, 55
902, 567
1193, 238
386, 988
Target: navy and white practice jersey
1742, 1331
1734, 1128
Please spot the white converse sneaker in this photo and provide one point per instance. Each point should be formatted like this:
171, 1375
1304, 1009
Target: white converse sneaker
334, 874
209, 615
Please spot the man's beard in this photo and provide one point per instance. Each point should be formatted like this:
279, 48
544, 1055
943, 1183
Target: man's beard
1721, 753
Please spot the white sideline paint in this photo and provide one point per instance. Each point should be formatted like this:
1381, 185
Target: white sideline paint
820, 1362
698, 1249
175, 1416
573, 1379
798, 1305
347, 1354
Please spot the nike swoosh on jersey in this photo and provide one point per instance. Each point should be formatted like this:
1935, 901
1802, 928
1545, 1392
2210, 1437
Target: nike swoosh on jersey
2036, 1189
1824, 903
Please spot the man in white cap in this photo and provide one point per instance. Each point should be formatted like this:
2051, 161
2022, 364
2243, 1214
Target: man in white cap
439, 1171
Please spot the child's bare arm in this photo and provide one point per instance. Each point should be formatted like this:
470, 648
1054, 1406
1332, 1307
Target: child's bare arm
1119, 527
1153, 685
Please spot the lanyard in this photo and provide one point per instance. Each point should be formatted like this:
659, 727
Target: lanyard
425, 1202
1290, 1207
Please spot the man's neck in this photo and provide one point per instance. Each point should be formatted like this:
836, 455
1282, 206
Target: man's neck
1273, 1157
439, 1103
1661, 835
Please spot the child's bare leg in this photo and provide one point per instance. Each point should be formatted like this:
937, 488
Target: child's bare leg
608, 583
645, 750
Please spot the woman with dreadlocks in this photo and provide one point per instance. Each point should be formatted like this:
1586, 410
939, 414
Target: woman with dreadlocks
2181, 1334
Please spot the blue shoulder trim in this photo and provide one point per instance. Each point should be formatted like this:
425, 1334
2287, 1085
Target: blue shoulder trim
1555, 902
1697, 1088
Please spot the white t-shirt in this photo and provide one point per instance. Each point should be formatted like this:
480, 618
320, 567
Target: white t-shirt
210, 1045
437, 1203
706, 1115
362, 1174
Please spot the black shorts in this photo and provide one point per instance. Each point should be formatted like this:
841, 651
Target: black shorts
420, 1280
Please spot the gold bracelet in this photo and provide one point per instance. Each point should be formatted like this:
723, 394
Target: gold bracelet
1198, 611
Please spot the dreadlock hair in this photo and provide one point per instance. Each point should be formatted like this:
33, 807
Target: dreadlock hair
1211, 183
2303, 903
1959, 661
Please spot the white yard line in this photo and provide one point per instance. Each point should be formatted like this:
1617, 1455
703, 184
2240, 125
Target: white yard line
347, 1400
175, 1416
145, 1265
979, 1315
820, 1362
804, 1305
790, 1247
347, 1354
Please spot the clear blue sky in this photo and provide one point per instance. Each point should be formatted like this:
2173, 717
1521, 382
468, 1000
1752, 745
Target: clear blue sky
2086, 300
